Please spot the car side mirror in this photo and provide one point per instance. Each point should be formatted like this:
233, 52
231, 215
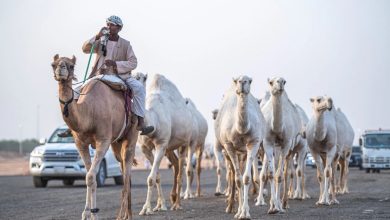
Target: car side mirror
42, 141
360, 142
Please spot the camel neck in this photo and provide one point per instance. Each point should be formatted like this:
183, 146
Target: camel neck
277, 113
320, 129
242, 114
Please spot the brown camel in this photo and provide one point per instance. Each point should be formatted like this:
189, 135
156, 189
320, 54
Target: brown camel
96, 119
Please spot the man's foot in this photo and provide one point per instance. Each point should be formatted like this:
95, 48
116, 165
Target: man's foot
66, 133
146, 130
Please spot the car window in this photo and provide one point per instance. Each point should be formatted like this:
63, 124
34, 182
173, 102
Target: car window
55, 139
356, 150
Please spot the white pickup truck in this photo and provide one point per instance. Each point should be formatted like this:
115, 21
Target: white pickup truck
375, 145
59, 159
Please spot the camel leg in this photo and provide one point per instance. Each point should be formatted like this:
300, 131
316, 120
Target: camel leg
237, 178
101, 149
232, 190
189, 172
263, 180
255, 175
286, 158
229, 172
127, 155
305, 195
252, 150
320, 174
218, 158
344, 186
298, 194
84, 153
328, 175
177, 205
198, 169
291, 173
160, 151
333, 187
279, 178
269, 156
175, 166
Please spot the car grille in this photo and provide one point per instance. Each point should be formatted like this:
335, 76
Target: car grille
61, 155
379, 160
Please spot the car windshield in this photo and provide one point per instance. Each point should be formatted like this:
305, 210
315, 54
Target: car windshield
377, 140
356, 149
55, 139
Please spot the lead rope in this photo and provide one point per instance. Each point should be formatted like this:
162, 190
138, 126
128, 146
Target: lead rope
89, 61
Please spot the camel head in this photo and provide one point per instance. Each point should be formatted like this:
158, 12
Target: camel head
63, 68
214, 113
276, 85
321, 103
243, 84
141, 77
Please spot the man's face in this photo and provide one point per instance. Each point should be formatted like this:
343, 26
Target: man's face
114, 29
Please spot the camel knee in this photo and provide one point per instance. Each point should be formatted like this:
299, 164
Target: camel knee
270, 176
218, 171
189, 172
263, 178
157, 180
279, 179
150, 181
319, 178
328, 173
90, 179
299, 173
246, 180
238, 182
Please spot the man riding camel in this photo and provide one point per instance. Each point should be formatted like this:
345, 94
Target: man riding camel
116, 54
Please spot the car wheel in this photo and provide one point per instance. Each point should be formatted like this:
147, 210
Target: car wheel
39, 182
101, 175
68, 182
367, 170
118, 180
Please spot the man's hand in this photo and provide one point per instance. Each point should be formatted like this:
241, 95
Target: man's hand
100, 34
109, 63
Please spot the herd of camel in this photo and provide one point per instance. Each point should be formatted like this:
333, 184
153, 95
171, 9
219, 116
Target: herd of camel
272, 129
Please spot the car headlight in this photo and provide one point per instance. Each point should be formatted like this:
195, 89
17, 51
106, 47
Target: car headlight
37, 152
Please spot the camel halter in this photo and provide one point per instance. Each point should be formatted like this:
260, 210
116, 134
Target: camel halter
66, 103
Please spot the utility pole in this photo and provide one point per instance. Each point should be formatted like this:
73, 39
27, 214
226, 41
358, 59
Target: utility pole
20, 140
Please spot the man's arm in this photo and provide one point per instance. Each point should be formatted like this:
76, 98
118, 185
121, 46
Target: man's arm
129, 64
88, 45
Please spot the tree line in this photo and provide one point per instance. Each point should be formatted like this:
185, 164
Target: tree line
13, 145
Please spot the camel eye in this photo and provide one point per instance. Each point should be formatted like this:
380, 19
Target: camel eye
271, 83
318, 100
53, 65
71, 67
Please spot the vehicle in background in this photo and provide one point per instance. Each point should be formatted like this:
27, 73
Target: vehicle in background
58, 159
356, 157
309, 161
375, 145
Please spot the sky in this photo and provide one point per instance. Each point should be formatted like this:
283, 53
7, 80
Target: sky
325, 47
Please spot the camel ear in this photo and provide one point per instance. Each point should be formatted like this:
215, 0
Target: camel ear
284, 82
75, 79
234, 80
259, 101
56, 57
269, 81
250, 80
186, 101
74, 59
311, 100
146, 77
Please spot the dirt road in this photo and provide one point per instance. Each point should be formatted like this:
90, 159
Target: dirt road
368, 199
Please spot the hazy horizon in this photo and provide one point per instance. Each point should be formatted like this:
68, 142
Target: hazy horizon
335, 48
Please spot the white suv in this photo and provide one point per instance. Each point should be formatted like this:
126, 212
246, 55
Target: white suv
59, 159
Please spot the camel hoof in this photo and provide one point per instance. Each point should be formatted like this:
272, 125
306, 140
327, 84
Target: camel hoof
260, 203
273, 211
334, 201
218, 194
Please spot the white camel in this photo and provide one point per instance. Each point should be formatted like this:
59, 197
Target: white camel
166, 110
345, 136
240, 127
321, 134
285, 125
198, 137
